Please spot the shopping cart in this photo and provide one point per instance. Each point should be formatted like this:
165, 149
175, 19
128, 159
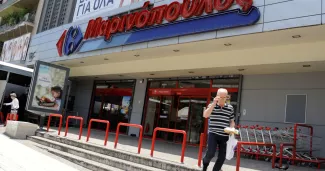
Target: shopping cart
294, 145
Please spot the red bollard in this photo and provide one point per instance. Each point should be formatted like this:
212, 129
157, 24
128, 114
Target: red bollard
67, 124
100, 121
49, 121
169, 130
199, 160
130, 125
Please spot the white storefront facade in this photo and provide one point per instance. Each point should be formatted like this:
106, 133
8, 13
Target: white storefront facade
270, 56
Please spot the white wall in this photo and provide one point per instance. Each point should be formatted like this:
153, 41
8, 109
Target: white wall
264, 97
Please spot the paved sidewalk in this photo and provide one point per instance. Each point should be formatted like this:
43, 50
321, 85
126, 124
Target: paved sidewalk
168, 151
15, 156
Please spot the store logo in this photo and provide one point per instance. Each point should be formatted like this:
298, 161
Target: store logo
69, 41
148, 24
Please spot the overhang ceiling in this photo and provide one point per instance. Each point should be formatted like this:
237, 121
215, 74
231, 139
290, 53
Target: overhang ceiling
260, 53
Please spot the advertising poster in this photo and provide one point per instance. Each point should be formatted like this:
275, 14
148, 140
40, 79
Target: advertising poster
48, 88
90, 8
125, 104
15, 49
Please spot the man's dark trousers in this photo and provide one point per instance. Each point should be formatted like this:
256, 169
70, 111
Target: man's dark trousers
215, 141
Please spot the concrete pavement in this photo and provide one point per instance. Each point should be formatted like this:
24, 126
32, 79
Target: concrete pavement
168, 151
22, 155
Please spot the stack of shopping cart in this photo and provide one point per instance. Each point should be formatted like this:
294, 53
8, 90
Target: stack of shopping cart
295, 145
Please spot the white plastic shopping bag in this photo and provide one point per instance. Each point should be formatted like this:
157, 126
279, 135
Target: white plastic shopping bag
231, 144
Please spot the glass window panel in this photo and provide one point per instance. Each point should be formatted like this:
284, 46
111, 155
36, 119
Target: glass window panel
226, 83
152, 112
194, 84
163, 84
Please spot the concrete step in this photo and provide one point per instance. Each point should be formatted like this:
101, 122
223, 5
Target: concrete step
90, 155
88, 164
119, 154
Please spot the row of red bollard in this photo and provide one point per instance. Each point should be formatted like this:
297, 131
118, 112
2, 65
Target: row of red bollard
10, 117
117, 132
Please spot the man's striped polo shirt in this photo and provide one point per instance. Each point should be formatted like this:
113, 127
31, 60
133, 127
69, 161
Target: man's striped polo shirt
220, 119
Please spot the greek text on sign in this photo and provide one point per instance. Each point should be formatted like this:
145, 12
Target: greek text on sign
90, 8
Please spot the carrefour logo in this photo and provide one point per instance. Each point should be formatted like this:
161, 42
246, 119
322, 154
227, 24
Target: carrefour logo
69, 41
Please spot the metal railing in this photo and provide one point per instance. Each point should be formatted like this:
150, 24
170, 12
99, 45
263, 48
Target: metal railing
99, 121
67, 125
10, 117
199, 160
49, 122
239, 149
1, 117
129, 125
173, 131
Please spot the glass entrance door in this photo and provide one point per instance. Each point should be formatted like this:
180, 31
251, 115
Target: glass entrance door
152, 113
195, 124
190, 118
175, 112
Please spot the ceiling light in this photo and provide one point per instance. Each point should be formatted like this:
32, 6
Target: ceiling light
241, 69
191, 72
296, 36
176, 50
136, 55
82, 62
227, 44
106, 59
306, 66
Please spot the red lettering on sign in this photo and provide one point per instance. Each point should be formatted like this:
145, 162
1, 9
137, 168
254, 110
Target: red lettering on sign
98, 27
143, 16
102, 28
222, 5
130, 20
189, 8
157, 15
108, 31
172, 11
121, 27
245, 4
115, 24
149, 17
90, 29
204, 6
93, 28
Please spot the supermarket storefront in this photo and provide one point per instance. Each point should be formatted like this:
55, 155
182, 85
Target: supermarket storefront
174, 60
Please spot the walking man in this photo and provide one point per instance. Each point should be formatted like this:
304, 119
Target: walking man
221, 116
14, 105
